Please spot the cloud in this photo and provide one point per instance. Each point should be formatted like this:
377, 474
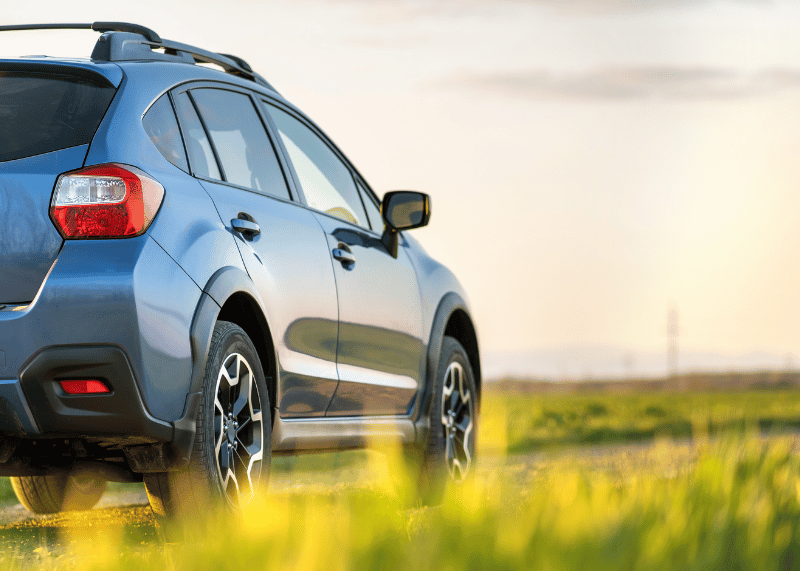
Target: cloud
620, 83
602, 7
415, 9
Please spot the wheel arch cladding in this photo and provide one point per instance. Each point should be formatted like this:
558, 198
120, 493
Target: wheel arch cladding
243, 310
231, 296
461, 328
452, 319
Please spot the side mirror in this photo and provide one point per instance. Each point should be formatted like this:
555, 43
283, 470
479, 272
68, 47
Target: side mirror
403, 210
406, 209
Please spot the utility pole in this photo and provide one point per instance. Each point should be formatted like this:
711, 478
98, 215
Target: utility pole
672, 344
627, 363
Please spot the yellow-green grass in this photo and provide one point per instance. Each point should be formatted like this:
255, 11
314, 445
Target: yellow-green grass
537, 421
728, 497
734, 507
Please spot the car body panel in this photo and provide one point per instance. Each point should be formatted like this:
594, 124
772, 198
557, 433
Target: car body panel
29, 242
128, 293
380, 325
290, 269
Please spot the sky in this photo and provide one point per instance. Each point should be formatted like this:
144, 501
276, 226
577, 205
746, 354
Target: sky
592, 163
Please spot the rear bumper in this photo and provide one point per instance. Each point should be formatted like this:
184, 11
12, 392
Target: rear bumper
119, 310
35, 407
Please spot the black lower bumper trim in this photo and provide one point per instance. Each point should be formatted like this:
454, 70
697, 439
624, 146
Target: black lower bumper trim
118, 413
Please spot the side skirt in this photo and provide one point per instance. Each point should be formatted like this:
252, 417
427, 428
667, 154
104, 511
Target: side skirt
331, 433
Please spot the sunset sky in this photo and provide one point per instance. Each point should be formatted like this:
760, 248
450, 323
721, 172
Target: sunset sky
591, 163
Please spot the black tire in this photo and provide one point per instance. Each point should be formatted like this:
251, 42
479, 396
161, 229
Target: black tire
58, 492
202, 485
449, 443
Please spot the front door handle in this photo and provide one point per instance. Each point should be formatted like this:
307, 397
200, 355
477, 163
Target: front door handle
344, 256
245, 227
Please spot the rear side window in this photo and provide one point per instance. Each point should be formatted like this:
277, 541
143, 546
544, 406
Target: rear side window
162, 128
43, 113
240, 140
201, 156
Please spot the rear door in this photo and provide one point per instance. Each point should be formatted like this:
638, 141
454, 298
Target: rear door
47, 121
232, 155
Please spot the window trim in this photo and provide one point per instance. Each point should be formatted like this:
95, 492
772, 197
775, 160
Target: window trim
180, 129
361, 185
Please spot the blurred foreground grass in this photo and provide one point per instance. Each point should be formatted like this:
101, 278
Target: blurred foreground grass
727, 499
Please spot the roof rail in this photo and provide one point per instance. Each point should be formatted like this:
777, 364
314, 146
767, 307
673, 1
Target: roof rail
121, 45
97, 27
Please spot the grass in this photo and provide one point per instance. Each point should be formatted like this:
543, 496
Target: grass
735, 507
6, 493
535, 422
702, 489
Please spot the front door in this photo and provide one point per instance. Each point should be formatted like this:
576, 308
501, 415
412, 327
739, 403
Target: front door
380, 317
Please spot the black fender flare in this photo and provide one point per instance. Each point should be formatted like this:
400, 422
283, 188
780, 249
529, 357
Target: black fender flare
221, 285
449, 304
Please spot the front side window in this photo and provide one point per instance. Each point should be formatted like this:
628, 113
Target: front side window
162, 128
326, 181
240, 140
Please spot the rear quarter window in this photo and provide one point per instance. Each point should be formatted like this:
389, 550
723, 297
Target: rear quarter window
40, 113
162, 128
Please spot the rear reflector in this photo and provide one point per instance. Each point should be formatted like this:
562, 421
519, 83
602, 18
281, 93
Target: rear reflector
84, 387
105, 201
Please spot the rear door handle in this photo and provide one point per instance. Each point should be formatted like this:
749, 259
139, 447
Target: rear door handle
245, 227
344, 256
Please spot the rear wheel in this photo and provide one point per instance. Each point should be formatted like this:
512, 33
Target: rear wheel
58, 492
231, 455
448, 454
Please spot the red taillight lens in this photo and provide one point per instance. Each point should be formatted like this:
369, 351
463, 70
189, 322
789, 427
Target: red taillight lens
84, 387
105, 201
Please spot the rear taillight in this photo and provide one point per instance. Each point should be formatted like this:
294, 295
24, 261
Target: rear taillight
105, 201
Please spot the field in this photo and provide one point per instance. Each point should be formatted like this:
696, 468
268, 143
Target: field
634, 479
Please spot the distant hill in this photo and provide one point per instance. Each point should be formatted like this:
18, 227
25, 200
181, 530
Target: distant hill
582, 363
735, 381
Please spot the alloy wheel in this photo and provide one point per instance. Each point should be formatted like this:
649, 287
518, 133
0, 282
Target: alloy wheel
458, 410
238, 429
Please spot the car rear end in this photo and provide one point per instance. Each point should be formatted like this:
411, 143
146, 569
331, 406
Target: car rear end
95, 355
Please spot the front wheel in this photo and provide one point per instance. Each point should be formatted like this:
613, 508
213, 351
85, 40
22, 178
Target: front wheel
448, 454
232, 447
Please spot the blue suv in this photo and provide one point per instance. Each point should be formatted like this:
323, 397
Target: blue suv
193, 278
